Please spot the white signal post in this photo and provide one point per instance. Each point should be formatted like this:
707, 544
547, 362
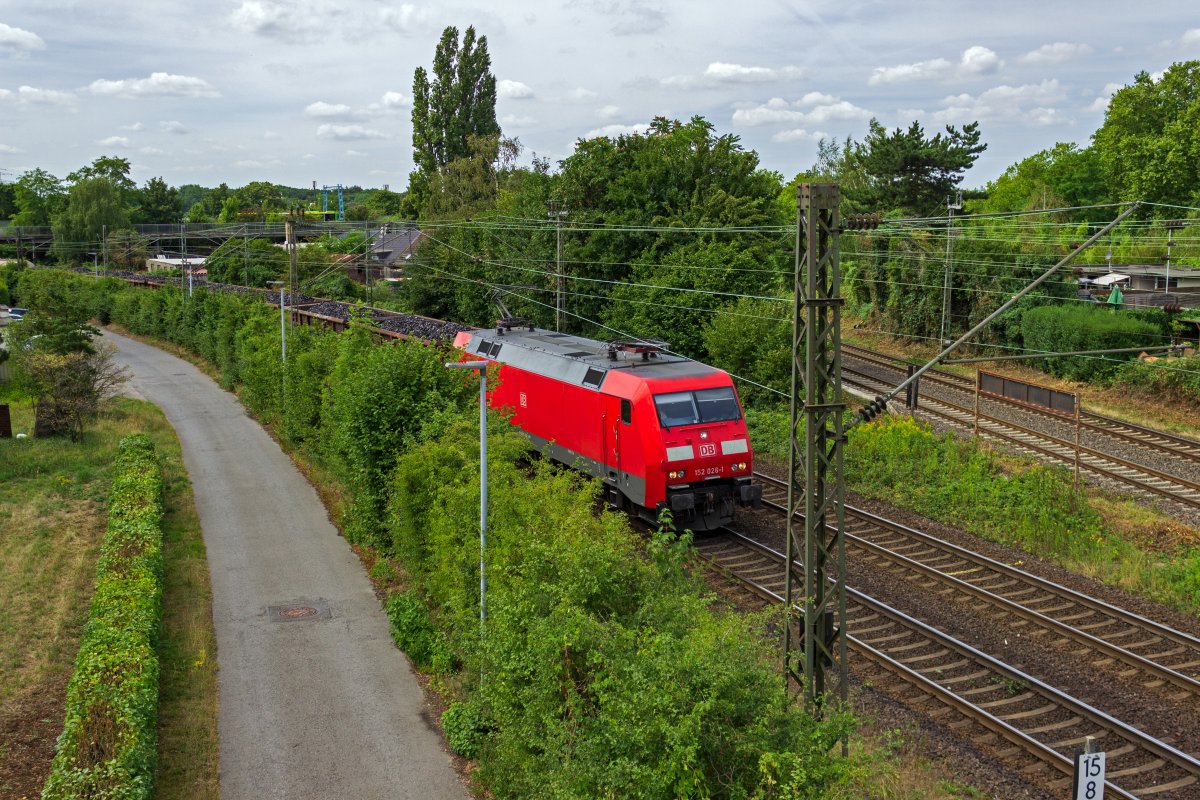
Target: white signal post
481, 368
1089, 773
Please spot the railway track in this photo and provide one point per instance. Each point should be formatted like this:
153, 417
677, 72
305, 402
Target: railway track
1111, 427
1155, 655
1024, 721
1140, 477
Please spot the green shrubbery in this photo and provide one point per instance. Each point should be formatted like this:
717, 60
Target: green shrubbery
1013, 501
1065, 329
107, 748
601, 670
1175, 381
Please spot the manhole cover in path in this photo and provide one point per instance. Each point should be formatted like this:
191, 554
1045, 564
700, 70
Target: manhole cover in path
300, 610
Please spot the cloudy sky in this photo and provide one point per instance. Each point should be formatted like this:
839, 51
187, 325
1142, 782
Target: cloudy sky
296, 91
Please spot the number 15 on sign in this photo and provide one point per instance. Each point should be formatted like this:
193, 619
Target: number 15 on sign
1089, 776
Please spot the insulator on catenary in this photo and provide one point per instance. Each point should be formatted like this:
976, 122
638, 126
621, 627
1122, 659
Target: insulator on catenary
873, 409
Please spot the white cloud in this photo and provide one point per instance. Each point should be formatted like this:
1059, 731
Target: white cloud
249, 163
159, 84
1055, 53
150, 151
1106, 94
345, 133
133, 126
172, 126
975, 60
323, 109
405, 19
799, 135
980, 61
28, 95
514, 121
617, 130
814, 108
18, 41
902, 73
8, 148
736, 73
1190, 38
395, 100
274, 20
580, 95
719, 73
356, 153
114, 141
608, 112
513, 90
270, 135
1031, 104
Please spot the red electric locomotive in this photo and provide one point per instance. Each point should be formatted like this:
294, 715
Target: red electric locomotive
660, 430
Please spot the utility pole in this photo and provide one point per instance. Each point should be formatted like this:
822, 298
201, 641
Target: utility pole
951, 207
558, 213
1172, 226
815, 463
289, 235
104, 245
182, 254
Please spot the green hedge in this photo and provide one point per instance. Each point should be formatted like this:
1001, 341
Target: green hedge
603, 670
1064, 329
107, 747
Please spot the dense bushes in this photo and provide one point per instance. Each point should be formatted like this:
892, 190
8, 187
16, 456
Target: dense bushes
1064, 329
107, 748
604, 671
1176, 381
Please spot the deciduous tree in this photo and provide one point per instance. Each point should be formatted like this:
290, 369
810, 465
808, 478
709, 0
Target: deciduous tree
459, 102
93, 205
38, 196
159, 203
1149, 144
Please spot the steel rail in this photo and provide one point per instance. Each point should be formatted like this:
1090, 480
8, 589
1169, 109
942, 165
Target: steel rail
1043, 752
1138, 435
1102, 646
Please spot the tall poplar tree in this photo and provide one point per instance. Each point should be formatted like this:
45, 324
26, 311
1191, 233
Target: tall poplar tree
460, 101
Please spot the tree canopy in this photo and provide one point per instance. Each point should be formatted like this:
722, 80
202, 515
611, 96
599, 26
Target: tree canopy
1149, 144
458, 103
906, 171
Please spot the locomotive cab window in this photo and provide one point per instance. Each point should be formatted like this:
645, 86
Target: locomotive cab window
717, 405
690, 408
626, 412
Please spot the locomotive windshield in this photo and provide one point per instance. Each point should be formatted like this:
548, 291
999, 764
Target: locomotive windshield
690, 408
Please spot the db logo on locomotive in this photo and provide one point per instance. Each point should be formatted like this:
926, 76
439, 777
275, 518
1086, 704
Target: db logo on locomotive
707, 450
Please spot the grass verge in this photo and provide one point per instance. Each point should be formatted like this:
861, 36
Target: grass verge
53, 498
1014, 501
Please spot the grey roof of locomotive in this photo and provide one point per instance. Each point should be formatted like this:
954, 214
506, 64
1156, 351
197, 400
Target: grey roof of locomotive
574, 359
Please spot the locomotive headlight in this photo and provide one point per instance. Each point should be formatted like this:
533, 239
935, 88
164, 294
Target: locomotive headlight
674, 474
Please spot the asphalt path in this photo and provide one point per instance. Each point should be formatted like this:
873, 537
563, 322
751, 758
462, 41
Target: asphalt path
315, 700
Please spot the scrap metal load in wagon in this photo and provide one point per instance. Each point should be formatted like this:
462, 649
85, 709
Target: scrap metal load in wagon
660, 431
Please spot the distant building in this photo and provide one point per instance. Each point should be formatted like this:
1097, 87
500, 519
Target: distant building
161, 263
